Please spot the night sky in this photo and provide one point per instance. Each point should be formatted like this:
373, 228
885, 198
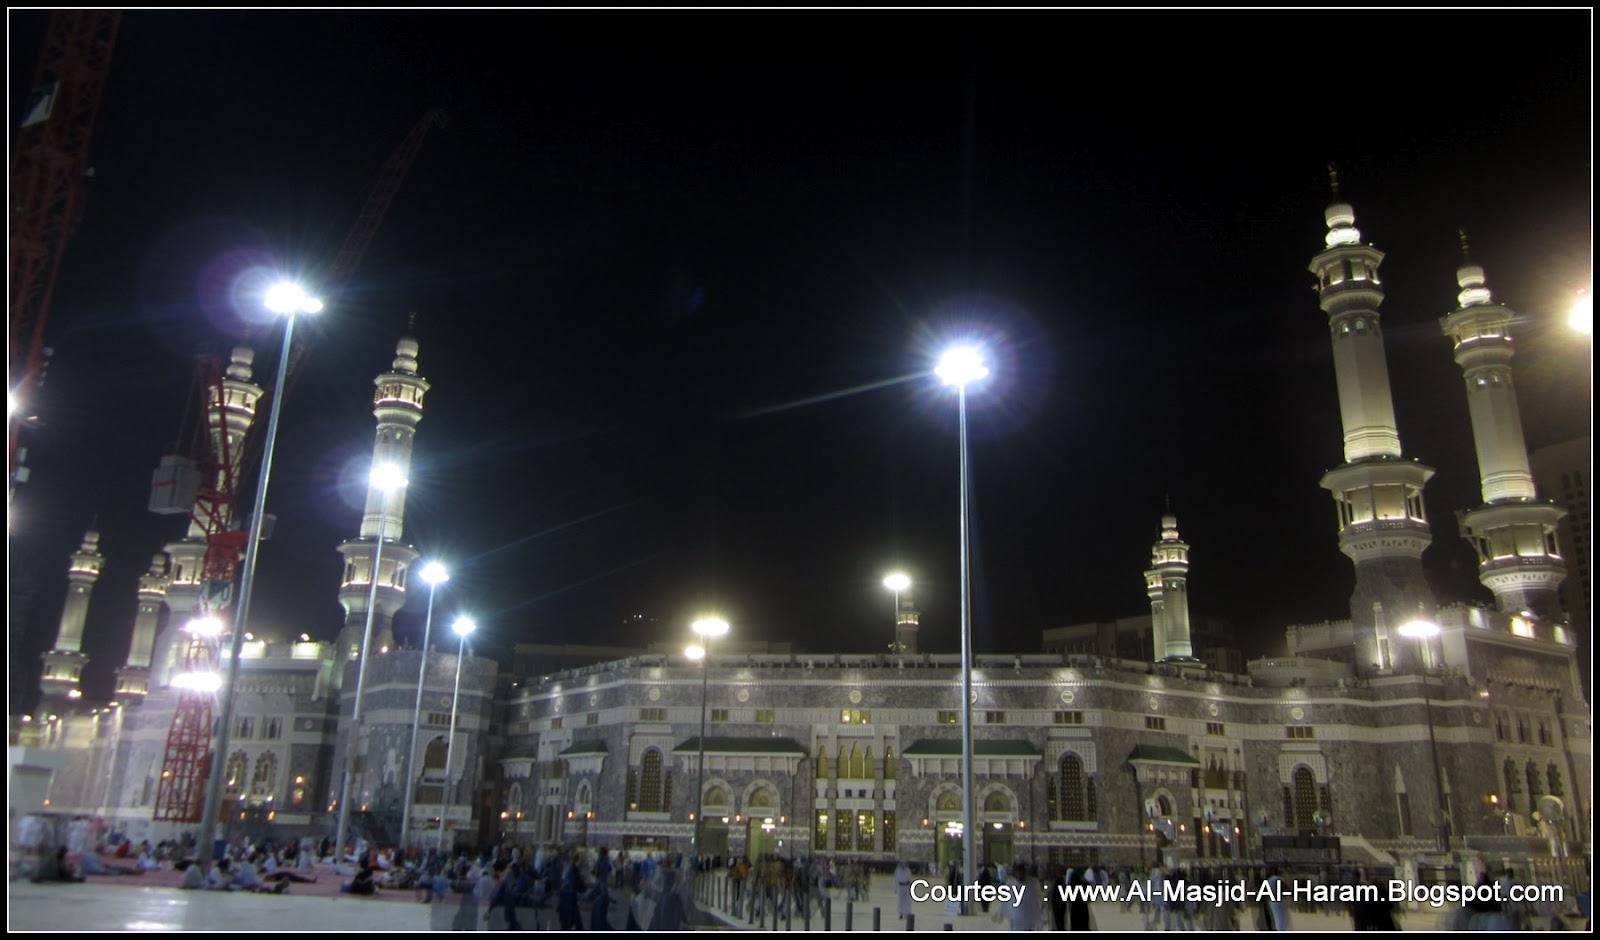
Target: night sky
680, 278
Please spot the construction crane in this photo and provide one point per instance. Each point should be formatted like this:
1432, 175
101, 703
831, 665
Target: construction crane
211, 473
48, 169
214, 469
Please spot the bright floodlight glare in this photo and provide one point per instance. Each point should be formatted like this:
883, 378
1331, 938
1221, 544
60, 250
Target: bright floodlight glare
434, 573
695, 652
1418, 629
387, 476
1581, 317
463, 626
897, 582
961, 365
289, 297
710, 626
198, 681
204, 626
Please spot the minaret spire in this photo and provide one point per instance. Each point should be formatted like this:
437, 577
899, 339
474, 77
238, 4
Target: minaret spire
1514, 534
63, 664
133, 678
397, 405
1383, 525
1167, 586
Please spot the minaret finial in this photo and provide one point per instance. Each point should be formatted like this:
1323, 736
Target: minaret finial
1466, 252
1333, 179
411, 322
1168, 501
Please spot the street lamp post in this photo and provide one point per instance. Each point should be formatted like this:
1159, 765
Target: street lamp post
387, 478
898, 583
1423, 631
960, 366
708, 628
435, 574
463, 627
287, 299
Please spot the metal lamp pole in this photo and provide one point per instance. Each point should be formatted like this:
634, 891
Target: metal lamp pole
708, 627
387, 478
958, 367
462, 627
435, 574
287, 299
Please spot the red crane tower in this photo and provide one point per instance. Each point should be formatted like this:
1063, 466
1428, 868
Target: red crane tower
216, 473
48, 168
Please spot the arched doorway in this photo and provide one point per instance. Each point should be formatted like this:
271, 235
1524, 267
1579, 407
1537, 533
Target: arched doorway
949, 835
719, 809
761, 834
998, 821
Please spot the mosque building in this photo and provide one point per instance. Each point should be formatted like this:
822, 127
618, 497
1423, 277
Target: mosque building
1410, 736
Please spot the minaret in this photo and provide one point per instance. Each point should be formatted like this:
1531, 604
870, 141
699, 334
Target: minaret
227, 423
133, 679
63, 665
1166, 584
905, 623
398, 408
1383, 525
1515, 535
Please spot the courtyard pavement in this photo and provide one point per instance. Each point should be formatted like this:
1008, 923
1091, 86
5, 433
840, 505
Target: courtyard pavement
117, 904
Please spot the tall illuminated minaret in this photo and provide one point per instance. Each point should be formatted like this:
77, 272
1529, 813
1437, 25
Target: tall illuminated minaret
63, 664
133, 678
1166, 584
1383, 525
397, 405
227, 423
1515, 534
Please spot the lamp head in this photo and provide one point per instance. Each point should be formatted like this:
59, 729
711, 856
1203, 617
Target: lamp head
388, 477
897, 582
1419, 629
464, 626
290, 298
710, 626
961, 366
694, 652
434, 573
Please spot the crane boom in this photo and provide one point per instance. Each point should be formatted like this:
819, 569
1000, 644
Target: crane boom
48, 168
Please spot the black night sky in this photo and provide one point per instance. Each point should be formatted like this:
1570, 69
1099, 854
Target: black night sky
680, 276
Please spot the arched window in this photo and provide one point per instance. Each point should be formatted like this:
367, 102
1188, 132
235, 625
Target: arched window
514, 799
949, 802
1552, 779
1071, 802
888, 762
996, 802
822, 763
717, 796
762, 798
1305, 798
868, 768
652, 783
1534, 789
265, 779
433, 755
236, 769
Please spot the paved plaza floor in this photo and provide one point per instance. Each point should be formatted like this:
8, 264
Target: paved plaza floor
115, 905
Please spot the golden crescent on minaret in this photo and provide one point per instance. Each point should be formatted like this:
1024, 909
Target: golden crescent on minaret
1465, 251
1333, 178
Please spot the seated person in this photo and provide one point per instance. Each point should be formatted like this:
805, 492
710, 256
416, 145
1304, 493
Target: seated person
270, 873
53, 866
246, 878
221, 877
147, 858
363, 883
193, 878
91, 864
